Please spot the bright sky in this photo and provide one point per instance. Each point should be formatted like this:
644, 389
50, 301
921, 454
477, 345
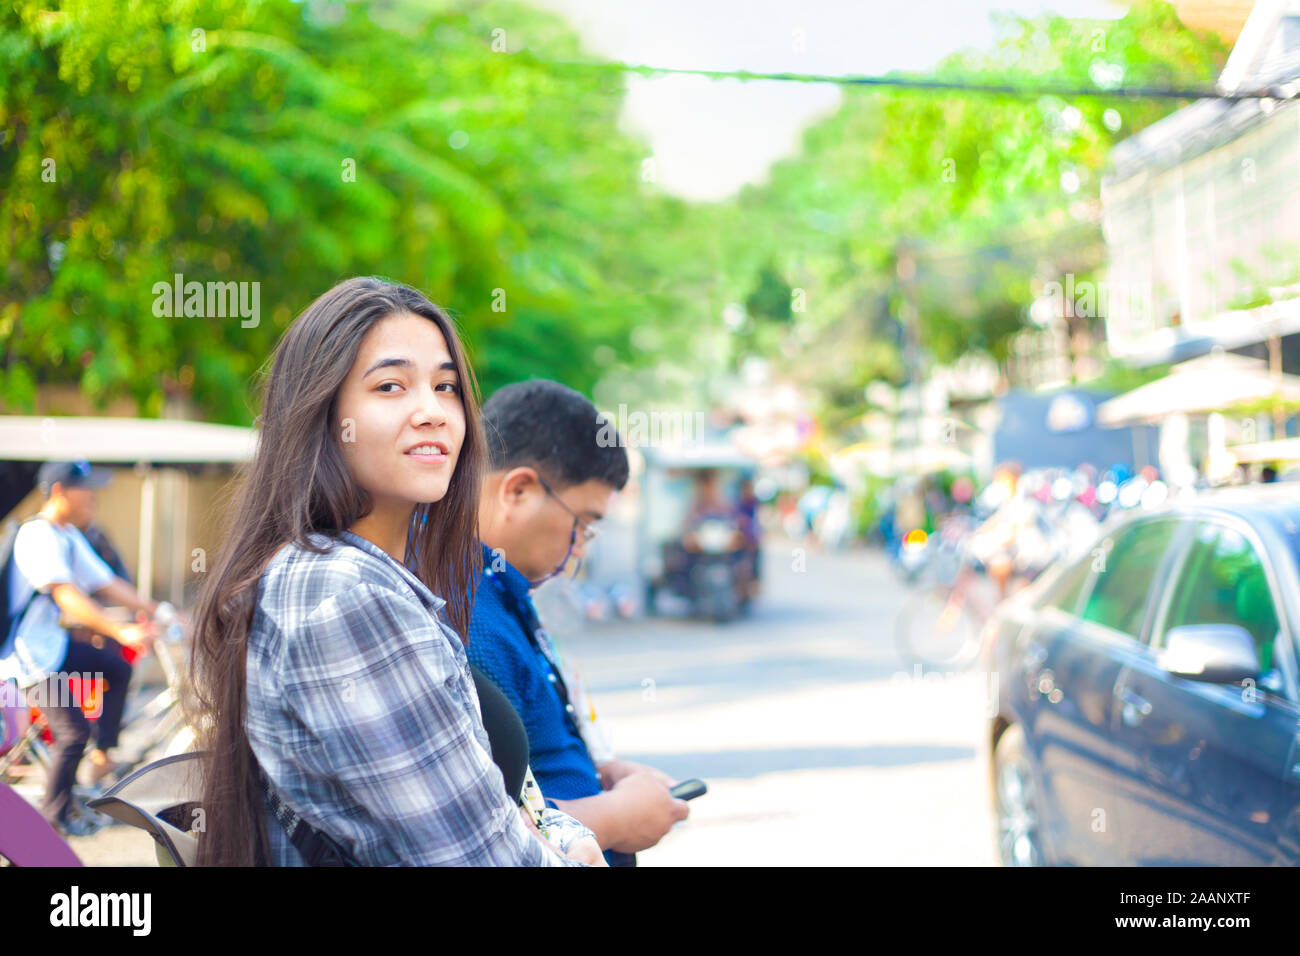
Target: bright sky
709, 137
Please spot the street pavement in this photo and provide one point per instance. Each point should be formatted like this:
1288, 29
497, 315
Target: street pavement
819, 746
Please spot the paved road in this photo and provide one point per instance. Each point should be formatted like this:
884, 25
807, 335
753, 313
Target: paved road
818, 746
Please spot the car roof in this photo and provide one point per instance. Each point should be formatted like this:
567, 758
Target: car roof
1276, 504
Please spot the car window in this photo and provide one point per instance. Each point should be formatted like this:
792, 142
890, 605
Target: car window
1066, 591
1125, 574
1223, 582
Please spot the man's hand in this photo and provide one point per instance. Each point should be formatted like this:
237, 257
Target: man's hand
647, 810
134, 635
612, 771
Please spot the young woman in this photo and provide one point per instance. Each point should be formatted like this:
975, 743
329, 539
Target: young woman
332, 681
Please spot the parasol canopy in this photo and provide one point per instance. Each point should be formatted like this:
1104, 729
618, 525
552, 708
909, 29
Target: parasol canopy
1212, 383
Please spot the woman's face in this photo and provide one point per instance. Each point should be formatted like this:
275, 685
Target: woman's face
401, 421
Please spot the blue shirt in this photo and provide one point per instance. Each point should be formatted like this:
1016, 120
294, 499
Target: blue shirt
522, 664
362, 713
46, 554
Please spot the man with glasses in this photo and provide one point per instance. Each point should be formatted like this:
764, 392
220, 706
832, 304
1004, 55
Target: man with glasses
552, 475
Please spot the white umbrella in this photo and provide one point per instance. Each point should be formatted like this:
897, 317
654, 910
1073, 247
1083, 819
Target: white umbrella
1209, 384
1280, 449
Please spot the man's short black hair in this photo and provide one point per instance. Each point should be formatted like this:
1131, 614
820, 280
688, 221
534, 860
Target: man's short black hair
550, 427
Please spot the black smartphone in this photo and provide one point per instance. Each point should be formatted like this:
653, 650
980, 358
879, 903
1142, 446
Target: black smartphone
689, 789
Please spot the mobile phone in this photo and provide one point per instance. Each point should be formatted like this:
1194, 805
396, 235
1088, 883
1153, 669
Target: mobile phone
690, 789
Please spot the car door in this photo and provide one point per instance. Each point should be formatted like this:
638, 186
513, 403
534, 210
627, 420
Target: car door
1069, 661
1211, 762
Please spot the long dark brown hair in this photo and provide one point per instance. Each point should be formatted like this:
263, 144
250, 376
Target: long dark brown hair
298, 484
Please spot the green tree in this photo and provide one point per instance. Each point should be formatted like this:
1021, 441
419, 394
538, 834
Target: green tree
981, 194
293, 145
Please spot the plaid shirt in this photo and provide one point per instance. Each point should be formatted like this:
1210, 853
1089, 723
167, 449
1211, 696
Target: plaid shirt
363, 714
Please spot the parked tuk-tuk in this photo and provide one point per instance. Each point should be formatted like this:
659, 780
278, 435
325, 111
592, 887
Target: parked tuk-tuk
699, 535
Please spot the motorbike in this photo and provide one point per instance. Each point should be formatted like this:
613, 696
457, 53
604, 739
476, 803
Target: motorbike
716, 571
712, 564
710, 567
910, 556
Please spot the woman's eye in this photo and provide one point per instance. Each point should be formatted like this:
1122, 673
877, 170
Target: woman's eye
450, 387
388, 387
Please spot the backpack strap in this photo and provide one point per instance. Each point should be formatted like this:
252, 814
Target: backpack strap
13, 621
317, 848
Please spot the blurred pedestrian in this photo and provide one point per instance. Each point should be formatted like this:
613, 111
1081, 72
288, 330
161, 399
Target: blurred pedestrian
753, 532
55, 572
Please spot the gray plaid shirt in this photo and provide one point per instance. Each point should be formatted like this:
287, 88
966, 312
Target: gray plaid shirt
363, 714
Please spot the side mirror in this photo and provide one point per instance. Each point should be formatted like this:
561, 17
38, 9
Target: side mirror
1214, 653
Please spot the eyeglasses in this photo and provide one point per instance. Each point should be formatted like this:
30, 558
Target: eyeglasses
588, 531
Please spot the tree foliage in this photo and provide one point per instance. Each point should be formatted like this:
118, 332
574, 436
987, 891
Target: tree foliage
295, 144
940, 210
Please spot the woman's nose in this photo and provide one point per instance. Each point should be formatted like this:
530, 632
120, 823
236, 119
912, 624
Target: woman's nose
431, 408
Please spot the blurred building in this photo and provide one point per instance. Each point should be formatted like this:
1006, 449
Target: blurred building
1201, 217
944, 422
1057, 349
1060, 429
1201, 214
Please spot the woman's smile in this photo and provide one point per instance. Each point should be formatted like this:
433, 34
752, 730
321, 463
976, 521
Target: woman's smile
430, 453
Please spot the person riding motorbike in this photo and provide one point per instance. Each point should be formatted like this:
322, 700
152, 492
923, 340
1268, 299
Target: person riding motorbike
715, 530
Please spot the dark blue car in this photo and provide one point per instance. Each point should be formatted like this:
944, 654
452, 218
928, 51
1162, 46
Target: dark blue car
1147, 695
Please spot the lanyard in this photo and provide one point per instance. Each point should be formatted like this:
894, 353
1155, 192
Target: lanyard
537, 636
